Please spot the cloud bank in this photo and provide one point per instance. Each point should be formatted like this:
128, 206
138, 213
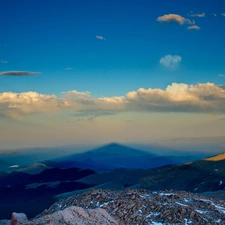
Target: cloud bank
177, 97
18, 73
171, 61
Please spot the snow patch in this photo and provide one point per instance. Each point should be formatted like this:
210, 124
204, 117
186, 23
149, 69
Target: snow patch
220, 208
181, 204
155, 223
166, 194
201, 211
144, 196
152, 214
14, 166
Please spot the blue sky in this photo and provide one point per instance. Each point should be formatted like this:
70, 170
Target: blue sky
109, 48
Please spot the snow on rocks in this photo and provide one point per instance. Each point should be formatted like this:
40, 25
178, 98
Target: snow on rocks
142, 207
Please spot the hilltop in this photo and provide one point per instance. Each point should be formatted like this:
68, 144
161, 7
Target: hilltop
132, 207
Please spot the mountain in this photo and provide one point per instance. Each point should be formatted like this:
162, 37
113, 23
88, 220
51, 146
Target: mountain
32, 193
135, 207
4, 165
34, 168
206, 175
114, 156
26, 156
217, 157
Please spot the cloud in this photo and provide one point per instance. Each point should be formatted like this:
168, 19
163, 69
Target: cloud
177, 97
83, 113
221, 75
174, 18
91, 119
16, 105
100, 37
18, 73
171, 61
223, 14
79, 120
194, 27
214, 14
198, 15
69, 68
127, 121
4, 62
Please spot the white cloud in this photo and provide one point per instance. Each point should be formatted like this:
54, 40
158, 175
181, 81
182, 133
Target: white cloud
214, 14
69, 68
194, 27
198, 15
174, 18
221, 75
177, 97
4, 61
16, 105
223, 14
171, 61
100, 37
180, 98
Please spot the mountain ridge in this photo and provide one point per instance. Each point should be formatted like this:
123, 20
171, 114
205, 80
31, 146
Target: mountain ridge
113, 156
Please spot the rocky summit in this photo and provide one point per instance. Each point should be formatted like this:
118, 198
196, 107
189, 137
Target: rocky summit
130, 207
142, 207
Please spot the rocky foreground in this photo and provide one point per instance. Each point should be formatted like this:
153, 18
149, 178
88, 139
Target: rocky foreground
136, 207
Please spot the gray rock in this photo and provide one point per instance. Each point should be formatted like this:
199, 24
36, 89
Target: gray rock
18, 219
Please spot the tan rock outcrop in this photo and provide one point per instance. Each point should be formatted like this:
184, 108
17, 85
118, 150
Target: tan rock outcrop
76, 216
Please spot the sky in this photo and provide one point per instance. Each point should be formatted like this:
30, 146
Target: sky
98, 71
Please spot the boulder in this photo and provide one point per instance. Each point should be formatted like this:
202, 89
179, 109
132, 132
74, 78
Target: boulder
18, 219
76, 216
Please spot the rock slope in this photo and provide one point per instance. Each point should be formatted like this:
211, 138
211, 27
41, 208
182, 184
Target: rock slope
145, 207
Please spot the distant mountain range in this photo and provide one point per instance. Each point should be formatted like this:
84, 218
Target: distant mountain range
114, 156
199, 176
112, 166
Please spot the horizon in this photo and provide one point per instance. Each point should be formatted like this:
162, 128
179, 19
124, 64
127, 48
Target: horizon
175, 146
97, 72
